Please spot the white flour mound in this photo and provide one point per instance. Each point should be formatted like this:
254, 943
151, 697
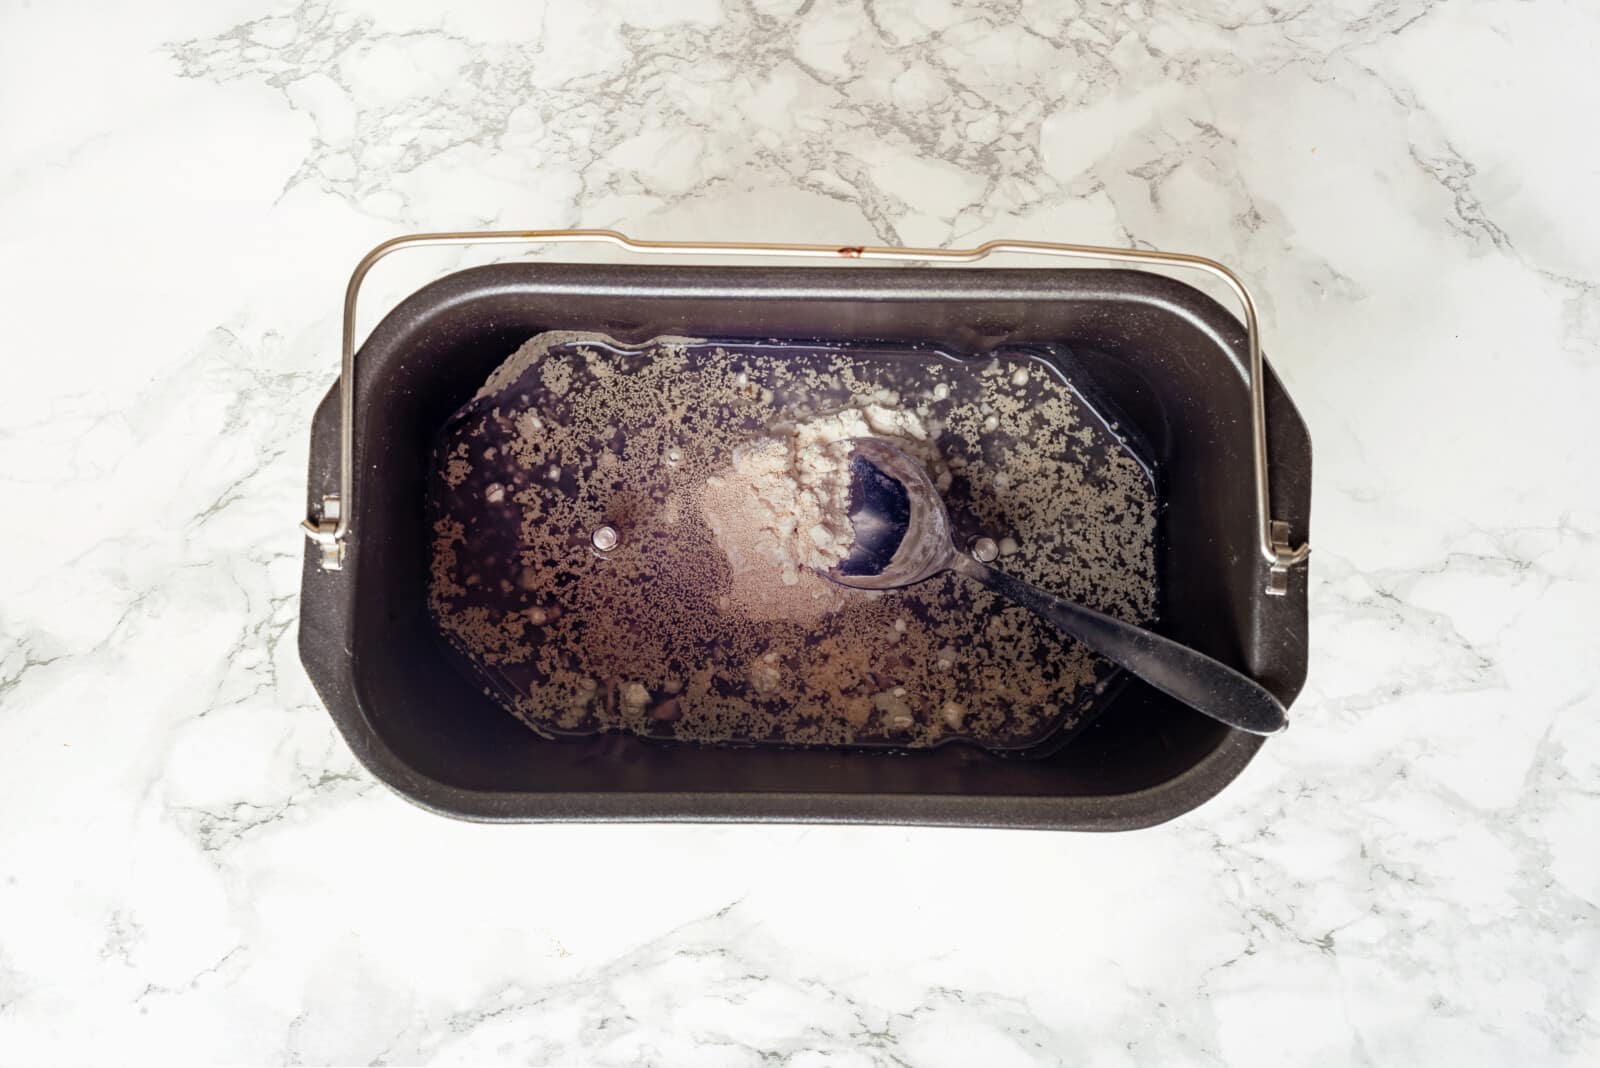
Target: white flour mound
780, 513
798, 500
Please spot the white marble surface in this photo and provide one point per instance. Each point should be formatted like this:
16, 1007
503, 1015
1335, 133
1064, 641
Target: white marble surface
192, 866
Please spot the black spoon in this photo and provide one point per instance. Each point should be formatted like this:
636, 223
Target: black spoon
902, 536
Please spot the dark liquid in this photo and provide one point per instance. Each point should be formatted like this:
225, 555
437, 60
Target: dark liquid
650, 637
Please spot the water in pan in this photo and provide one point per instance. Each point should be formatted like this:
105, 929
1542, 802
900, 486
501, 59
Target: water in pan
669, 634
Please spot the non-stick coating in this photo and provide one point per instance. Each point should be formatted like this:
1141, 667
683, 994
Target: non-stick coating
1160, 354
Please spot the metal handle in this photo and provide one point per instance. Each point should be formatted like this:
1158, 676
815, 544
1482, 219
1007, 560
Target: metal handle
330, 528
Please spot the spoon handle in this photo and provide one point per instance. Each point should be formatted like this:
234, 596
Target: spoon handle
1197, 680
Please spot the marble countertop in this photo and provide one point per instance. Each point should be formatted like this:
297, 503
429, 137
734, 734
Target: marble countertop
193, 866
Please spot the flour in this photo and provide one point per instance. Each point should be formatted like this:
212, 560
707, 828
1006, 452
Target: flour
780, 511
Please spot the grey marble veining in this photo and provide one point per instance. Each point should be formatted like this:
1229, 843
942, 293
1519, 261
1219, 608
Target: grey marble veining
192, 865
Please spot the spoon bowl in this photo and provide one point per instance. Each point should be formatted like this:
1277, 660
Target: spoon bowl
902, 530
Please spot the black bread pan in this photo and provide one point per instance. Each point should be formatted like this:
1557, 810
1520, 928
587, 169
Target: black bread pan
1168, 360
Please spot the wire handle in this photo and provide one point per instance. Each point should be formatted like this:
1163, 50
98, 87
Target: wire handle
330, 529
